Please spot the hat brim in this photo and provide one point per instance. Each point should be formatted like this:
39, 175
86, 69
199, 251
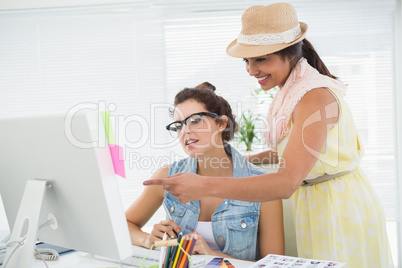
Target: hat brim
250, 51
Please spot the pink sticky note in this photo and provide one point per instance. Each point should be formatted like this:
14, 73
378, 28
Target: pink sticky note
117, 154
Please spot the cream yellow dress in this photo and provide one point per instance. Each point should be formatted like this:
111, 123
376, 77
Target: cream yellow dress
340, 219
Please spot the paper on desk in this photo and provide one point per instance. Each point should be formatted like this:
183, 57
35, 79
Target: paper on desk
279, 261
117, 154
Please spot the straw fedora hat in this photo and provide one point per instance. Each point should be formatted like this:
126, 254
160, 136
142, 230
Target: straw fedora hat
267, 29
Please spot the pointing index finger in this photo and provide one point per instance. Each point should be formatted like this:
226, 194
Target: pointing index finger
153, 182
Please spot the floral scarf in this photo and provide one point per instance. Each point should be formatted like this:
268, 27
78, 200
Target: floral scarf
301, 80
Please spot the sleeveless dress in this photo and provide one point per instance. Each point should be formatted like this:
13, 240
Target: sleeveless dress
340, 219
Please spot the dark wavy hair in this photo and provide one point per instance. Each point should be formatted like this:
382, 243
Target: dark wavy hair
205, 94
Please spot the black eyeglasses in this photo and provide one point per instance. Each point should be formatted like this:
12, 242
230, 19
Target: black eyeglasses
193, 122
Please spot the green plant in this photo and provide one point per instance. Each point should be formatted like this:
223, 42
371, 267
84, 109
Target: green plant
247, 132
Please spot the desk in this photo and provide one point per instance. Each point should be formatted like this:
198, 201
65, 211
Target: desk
83, 260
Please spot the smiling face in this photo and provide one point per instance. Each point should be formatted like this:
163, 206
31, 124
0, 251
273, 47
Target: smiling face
205, 137
270, 70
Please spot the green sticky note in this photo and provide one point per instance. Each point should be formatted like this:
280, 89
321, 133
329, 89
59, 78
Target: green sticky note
108, 127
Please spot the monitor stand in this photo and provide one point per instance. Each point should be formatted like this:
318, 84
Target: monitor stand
22, 243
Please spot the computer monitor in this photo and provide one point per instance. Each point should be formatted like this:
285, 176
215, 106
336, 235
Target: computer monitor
68, 153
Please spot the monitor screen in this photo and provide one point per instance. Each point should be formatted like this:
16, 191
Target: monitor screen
71, 152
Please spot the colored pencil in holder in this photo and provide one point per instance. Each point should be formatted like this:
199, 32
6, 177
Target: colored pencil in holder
178, 253
167, 257
182, 254
174, 251
190, 250
187, 249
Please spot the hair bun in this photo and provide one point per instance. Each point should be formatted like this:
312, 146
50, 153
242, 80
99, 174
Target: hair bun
206, 85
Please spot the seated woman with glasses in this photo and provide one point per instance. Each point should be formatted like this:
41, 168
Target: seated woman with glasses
204, 123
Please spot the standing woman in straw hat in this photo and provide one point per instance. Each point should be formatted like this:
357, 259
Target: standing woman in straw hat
311, 133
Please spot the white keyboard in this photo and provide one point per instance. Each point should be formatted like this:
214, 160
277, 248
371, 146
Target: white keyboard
152, 258
138, 255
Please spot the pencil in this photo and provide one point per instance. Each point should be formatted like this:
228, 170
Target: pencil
185, 242
168, 215
174, 250
187, 249
163, 251
178, 253
166, 264
190, 251
165, 243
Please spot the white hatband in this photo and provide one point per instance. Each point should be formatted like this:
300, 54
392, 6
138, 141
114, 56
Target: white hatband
271, 39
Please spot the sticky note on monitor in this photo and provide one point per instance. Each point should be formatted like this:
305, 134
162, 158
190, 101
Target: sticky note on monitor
117, 154
116, 151
108, 127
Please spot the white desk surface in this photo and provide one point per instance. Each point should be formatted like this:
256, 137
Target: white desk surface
83, 260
